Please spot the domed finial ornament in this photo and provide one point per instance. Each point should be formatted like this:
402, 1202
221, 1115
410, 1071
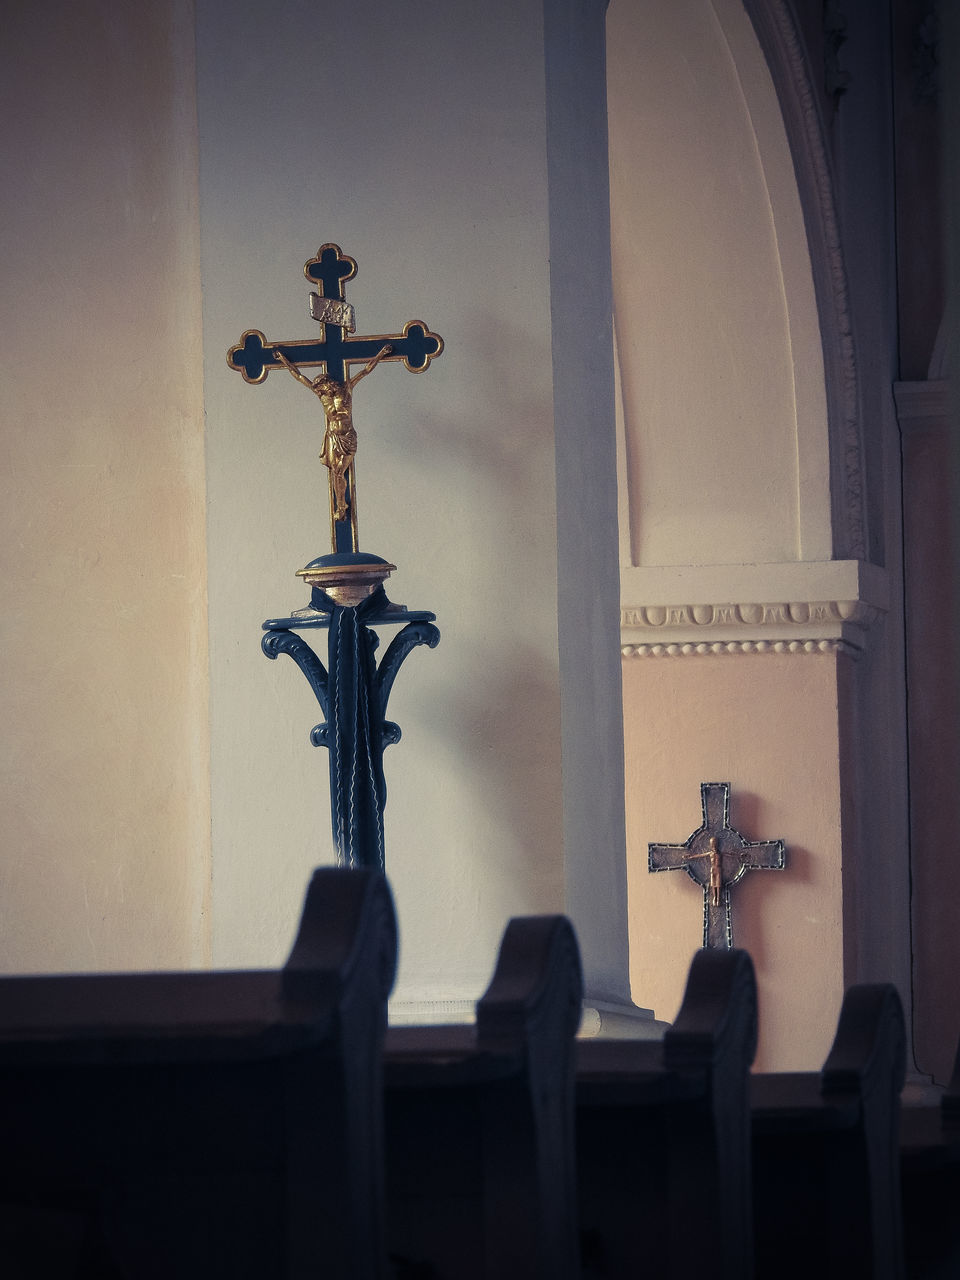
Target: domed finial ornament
346, 579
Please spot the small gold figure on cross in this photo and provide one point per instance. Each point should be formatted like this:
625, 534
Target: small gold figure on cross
340, 438
713, 877
715, 882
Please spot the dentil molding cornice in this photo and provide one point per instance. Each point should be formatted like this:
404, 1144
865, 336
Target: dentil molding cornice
800, 607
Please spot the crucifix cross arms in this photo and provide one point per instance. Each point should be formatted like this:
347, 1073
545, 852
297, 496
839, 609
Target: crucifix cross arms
335, 349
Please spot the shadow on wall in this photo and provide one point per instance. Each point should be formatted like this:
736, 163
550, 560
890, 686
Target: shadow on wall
504, 728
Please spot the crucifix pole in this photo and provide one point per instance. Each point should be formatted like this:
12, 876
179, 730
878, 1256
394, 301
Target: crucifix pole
347, 596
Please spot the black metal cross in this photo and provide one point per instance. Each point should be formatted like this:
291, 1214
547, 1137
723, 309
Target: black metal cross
254, 357
716, 857
334, 352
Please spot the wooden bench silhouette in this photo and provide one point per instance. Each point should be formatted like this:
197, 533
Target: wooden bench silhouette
479, 1123
164, 1126
825, 1152
663, 1137
930, 1184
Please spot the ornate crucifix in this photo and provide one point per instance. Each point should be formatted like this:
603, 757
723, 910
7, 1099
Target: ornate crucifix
334, 352
347, 586
717, 857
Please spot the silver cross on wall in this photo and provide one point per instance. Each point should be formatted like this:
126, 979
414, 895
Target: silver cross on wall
716, 857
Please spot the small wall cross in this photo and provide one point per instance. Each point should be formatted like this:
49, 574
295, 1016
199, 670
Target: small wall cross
717, 857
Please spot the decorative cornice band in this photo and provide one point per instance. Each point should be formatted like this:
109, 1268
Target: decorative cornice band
682, 630
799, 613
794, 607
689, 649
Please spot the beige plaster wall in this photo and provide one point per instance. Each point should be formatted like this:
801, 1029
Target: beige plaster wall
718, 339
104, 762
726, 524
766, 723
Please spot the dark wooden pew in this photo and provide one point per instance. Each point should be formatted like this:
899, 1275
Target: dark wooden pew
930, 1184
479, 1124
663, 1137
164, 1126
825, 1152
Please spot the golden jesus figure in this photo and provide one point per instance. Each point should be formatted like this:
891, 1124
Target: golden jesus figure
340, 438
716, 882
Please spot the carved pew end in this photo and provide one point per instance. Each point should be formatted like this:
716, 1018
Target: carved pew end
480, 1147
663, 1135
204, 1124
826, 1159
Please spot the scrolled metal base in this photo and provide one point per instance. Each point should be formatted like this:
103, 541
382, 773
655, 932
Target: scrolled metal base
353, 692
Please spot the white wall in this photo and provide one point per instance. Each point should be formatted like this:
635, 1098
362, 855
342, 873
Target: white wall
421, 148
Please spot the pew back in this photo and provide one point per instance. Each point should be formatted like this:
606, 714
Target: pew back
663, 1135
479, 1120
825, 1149
930, 1184
205, 1124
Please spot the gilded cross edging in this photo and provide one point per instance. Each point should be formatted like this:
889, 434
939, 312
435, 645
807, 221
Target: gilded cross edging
254, 356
